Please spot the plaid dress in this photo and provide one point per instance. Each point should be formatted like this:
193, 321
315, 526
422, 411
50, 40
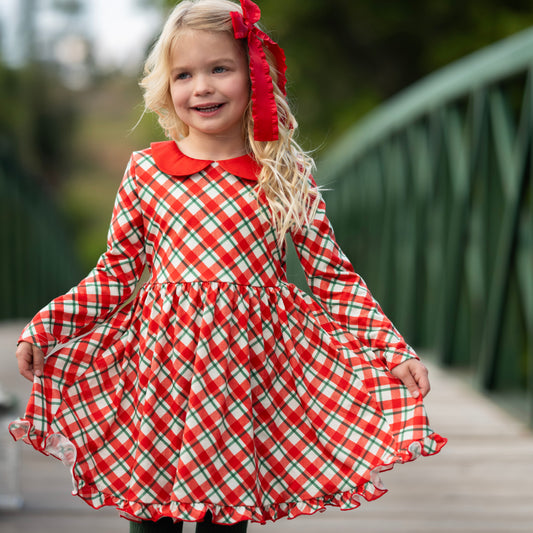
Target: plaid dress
218, 385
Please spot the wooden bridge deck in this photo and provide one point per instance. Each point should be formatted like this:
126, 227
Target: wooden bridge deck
482, 481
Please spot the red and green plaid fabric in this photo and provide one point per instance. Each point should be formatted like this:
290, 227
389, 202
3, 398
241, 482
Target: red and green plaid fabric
219, 386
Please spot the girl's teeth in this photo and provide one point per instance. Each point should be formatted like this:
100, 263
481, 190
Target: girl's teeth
212, 108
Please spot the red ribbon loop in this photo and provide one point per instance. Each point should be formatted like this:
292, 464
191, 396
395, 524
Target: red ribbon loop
264, 108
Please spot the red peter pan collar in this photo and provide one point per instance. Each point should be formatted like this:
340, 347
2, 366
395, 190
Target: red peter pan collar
171, 160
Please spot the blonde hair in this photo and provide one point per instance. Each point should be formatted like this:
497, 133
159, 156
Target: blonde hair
285, 168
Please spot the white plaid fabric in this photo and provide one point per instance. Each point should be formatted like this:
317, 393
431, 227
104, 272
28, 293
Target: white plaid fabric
219, 386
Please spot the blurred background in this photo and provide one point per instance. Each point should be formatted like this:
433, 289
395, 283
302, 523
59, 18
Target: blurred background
395, 97
71, 112
70, 100
420, 114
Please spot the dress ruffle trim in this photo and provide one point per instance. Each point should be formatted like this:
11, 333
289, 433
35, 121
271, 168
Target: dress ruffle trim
60, 447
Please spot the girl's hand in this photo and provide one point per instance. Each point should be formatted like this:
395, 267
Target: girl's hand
414, 375
30, 360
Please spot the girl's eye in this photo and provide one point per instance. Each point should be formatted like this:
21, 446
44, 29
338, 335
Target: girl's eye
219, 70
181, 76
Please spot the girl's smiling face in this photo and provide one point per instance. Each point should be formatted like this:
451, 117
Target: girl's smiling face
209, 85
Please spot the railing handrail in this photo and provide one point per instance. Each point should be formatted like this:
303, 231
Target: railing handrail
430, 197
463, 76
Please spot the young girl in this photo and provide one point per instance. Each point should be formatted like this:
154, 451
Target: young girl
221, 393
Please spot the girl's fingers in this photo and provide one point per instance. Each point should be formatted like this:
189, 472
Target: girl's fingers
30, 360
423, 381
38, 361
411, 384
25, 360
414, 375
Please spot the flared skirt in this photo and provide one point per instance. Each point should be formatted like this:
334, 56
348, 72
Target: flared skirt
246, 401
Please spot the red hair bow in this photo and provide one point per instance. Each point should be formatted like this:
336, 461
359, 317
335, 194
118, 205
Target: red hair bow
264, 109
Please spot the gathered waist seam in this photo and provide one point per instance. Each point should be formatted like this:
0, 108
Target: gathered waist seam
279, 285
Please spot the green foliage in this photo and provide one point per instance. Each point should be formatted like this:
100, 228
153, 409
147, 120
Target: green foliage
37, 120
112, 125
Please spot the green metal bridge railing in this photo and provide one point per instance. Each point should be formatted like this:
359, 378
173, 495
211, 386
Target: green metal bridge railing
37, 260
432, 200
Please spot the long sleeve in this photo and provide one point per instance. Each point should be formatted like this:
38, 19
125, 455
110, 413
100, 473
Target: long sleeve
107, 286
343, 293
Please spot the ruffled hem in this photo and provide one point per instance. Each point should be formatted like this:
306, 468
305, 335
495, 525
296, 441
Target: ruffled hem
60, 447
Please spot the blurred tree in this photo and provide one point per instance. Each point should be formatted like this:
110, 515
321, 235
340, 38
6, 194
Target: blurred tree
346, 56
37, 119
37, 112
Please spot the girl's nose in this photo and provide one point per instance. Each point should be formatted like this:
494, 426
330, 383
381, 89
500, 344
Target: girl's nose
203, 85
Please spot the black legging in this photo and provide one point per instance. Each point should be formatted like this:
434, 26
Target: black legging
167, 525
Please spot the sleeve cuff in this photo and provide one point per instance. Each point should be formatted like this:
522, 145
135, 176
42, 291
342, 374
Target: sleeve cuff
397, 358
37, 340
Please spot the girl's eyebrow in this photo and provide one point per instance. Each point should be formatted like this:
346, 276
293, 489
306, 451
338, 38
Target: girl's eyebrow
217, 61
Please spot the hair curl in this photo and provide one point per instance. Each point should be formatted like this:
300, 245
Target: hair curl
286, 168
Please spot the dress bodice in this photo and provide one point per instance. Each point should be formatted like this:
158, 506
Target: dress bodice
198, 228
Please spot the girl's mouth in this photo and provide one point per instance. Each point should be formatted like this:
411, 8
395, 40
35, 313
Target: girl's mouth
208, 108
